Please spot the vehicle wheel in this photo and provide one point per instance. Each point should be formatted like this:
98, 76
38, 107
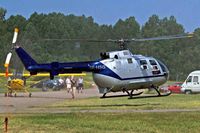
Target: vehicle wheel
188, 92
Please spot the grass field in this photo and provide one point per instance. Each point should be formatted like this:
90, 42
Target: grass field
117, 120
115, 115
174, 101
187, 122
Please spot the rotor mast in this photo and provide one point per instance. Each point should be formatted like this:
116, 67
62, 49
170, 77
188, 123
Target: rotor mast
122, 44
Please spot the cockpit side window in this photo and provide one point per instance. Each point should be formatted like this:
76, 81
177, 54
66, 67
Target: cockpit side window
152, 62
130, 60
154, 66
143, 64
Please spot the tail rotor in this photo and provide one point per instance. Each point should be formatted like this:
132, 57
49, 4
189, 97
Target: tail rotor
9, 55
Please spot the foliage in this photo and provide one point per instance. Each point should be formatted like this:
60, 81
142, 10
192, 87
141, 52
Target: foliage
181, 55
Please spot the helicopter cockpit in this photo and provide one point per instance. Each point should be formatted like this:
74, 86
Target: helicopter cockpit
148, 63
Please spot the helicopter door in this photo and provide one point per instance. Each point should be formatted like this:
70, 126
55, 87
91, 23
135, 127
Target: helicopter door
118, 65
130, 65
144, 67
120, 69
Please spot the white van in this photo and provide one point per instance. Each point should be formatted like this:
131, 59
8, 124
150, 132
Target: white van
192, 83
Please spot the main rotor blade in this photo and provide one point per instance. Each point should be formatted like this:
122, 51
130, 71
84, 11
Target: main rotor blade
122, 41
163, 38
80, 40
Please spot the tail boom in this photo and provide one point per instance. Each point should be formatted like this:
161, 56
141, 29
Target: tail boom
26, 59
55, 68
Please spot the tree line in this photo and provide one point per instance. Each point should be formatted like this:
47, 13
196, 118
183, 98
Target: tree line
180, 55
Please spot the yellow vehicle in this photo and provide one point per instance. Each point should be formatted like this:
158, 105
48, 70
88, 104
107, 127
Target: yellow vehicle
15, 85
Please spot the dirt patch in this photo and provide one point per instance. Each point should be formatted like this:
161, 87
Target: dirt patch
22, 101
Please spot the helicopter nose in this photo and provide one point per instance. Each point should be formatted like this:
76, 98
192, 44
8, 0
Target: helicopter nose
166, 75
164, 69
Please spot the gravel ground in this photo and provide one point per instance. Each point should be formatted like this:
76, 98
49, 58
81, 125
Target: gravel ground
24, 104
22, 101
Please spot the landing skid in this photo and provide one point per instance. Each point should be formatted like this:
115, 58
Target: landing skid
128, 94
151, 96
132, 96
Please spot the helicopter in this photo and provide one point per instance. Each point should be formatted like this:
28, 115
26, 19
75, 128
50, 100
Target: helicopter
116, 71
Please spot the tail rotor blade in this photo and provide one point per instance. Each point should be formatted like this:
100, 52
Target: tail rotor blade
15, 35
7, 62
9, 55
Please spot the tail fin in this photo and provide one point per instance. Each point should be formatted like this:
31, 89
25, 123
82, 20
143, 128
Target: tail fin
26, 59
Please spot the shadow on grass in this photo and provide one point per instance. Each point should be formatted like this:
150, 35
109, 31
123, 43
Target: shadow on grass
113, 105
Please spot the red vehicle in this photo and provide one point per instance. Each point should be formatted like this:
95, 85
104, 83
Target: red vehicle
175, 88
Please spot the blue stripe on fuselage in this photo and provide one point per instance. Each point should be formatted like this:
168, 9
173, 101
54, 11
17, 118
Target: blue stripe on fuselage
108, 72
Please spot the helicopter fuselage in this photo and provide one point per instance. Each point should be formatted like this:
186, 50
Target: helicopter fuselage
115, 71
122, 70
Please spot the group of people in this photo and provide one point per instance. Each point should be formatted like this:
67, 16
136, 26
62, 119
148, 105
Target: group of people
73, 84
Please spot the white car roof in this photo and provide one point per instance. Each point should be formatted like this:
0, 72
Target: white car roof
195, 72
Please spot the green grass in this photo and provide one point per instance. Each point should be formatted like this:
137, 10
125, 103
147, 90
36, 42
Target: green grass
187, 122
114, 122
88, 122
2, 84
174, 101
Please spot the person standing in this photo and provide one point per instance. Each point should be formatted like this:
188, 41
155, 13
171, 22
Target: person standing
80, 84
73, 88
61, 81
68, 84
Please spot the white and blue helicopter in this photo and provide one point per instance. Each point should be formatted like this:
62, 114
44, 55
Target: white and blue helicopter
116, 71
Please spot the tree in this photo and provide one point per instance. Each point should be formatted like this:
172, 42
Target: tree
129, 28
2, 14
181, 55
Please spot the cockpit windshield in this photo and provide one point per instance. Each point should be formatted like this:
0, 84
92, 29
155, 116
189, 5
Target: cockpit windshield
163, 67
